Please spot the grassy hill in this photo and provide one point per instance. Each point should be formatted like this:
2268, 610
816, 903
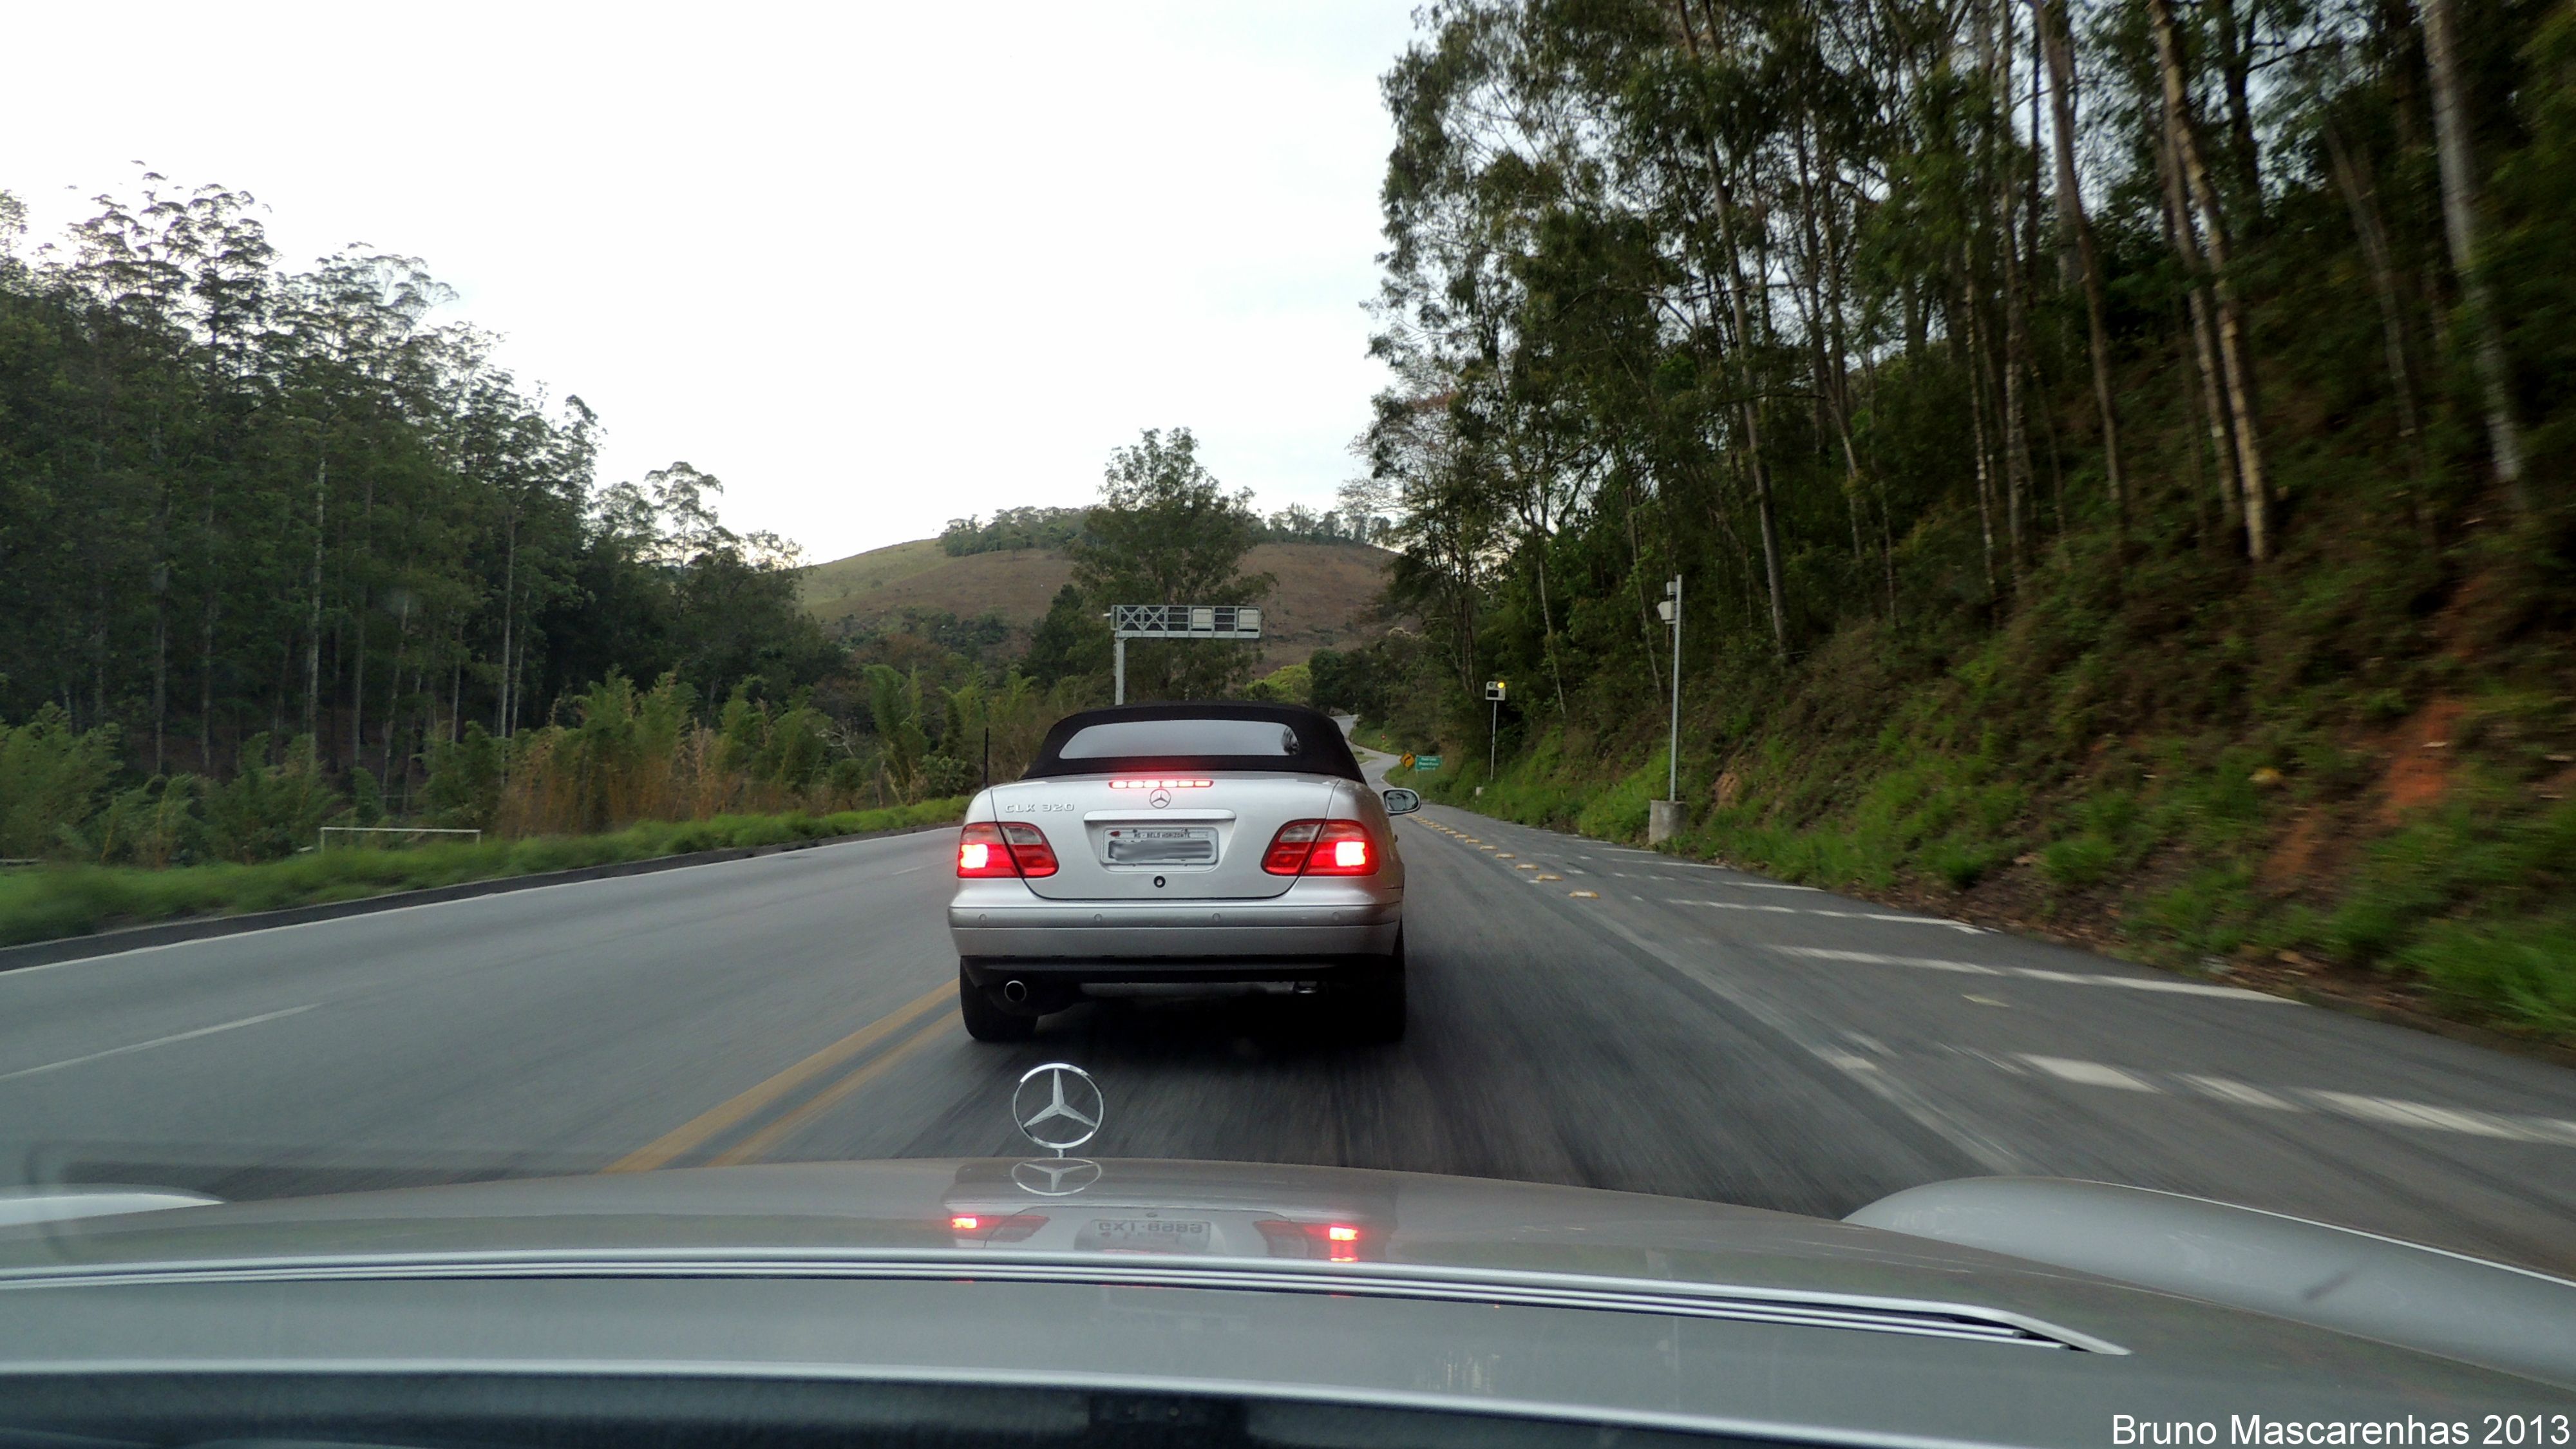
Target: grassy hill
1324, 595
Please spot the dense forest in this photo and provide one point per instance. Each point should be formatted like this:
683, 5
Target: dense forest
2112, 447
283, 549
238, 500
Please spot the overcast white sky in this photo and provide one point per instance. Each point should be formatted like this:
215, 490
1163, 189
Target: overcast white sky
873, 265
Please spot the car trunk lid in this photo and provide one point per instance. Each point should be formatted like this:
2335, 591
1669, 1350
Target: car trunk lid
1194, 837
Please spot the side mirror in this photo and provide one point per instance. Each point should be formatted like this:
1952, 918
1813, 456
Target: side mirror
1400, 801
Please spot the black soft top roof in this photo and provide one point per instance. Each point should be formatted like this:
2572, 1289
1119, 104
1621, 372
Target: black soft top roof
1320, 747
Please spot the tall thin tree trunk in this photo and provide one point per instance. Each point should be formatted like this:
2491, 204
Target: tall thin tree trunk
365, 601
1752, 407
2236, 67
2373, 237
313, 624
2204, 341
1970, 348
2075, 229
206, 644
2016, 338
393, 701
1547, 621
509, 618
2460, 230
2235, 366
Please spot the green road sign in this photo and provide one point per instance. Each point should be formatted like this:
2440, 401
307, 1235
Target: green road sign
1426, 762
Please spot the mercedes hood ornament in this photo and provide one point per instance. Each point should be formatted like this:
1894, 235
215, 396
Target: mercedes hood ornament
1057, 1106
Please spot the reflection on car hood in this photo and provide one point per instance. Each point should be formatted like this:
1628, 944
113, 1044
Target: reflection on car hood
1436, 1290
1403, 1233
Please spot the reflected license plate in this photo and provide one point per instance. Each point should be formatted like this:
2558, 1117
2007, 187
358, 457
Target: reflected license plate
1146, 1235
1162, 845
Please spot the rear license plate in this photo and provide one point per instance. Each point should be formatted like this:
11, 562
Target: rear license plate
1146, 1235
1162, 845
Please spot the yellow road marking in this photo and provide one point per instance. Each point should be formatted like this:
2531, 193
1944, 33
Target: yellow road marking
1547, 877
1585, 895
1505, 855
1524, 865
757, 1145
698, 1129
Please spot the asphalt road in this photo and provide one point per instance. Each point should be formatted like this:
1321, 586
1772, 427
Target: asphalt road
1582, 1013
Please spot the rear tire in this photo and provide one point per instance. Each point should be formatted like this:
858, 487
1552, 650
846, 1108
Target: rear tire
986, 1021
1376, 1012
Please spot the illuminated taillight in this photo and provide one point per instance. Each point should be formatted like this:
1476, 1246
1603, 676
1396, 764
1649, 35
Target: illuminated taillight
981, 854
1321, 847
1343, 848
986, 850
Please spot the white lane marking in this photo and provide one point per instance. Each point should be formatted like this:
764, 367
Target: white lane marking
1838, 915
2446, 1119
1872, 958
2239, 1093
2382, 1111
158, 1041
1848, 1062
909, 869
2091, 1074
1967, 1136
2034, 973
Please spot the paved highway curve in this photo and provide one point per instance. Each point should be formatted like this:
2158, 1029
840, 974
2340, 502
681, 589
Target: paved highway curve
1582, 1013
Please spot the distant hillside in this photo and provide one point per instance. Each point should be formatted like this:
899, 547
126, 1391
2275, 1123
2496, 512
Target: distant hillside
1324, 589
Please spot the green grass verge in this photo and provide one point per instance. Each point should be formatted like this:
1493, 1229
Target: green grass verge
51, 902
2469, 900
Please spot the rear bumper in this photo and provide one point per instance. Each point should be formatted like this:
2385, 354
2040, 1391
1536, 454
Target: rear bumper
1152, 940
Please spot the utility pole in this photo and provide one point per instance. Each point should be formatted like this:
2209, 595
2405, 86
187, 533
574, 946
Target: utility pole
1664, 817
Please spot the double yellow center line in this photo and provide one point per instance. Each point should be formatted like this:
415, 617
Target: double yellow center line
703, 1128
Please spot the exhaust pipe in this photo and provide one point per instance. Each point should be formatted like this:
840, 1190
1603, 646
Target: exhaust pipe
1015, 992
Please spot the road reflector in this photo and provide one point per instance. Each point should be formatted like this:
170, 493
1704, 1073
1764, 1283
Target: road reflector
1585, 895
1548, 877
1524, 865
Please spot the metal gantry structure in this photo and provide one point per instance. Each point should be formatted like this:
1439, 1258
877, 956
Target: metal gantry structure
1176, 621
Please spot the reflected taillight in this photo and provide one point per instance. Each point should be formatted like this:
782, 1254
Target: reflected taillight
1321, 847
1332, 1242
1015, 1228
986, 851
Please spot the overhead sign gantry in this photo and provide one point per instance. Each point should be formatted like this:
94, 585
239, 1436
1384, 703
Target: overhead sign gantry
1177, 621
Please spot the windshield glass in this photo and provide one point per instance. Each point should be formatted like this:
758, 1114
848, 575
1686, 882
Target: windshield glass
1149, 738
1762, 604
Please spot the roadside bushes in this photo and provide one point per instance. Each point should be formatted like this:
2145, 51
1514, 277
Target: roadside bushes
270, 811
41, 905
51, 777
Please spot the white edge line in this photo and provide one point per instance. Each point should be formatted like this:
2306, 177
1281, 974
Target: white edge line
157, 1041
6, 974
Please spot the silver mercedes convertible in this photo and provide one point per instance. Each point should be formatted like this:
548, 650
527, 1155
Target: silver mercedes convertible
1182, 846
1055, 1300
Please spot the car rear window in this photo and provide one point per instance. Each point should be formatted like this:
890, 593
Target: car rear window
1139, 737
1205, 735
